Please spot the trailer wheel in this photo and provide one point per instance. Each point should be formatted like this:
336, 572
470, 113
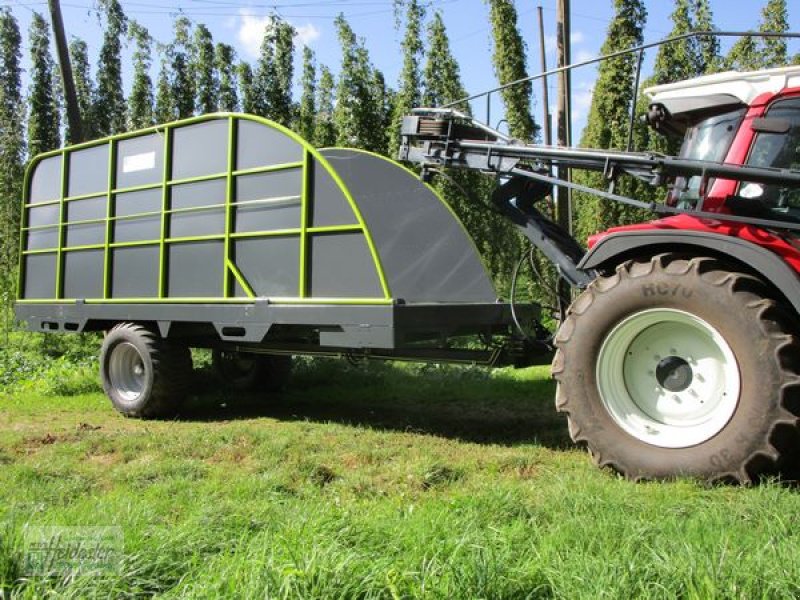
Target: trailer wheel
249, 372
680, 366
143, 375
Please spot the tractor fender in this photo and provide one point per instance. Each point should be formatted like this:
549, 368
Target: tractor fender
618, 247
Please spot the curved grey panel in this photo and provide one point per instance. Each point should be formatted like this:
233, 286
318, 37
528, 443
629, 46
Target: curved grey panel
426, 254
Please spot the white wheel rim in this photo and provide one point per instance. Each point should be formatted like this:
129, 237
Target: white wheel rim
668, 378
126, 371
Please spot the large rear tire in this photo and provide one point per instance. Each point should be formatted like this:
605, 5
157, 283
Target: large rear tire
144, 375
680, 367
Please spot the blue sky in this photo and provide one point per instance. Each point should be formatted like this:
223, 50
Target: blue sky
240, 23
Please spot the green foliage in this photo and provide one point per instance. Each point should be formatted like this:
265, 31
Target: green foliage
84, 88
749, 54
225, 63
409, 89
163, 110
182, 69
49, 363
774, 18
110, 108
43, 118
307, 109
207, 78
244, 72
743, 55
324, 126
12, 141
280, 97
677, 60
140, 102
607, 125
271, 92
509, 65
385, 99
357, 120
466, 192
709, 59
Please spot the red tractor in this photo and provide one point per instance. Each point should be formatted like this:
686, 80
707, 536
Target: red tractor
679, 354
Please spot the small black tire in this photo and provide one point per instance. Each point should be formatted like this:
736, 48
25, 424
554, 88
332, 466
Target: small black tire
650, 430
250, 372
144, 375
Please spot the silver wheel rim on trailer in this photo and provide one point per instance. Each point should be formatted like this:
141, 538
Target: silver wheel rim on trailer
126, 371
668, 378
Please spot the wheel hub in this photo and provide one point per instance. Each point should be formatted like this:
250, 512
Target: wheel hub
674, 374
668, 378
126, 371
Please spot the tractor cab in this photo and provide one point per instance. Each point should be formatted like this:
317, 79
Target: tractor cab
736, 118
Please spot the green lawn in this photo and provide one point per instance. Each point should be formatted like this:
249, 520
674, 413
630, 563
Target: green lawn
378, 482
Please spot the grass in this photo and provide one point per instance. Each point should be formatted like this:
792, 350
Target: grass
373, 482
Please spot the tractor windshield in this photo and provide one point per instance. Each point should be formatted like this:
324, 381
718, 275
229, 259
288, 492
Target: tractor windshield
708, 139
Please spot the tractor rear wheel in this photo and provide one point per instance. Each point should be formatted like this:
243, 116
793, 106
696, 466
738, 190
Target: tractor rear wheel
143, 375
675, 366
249, 372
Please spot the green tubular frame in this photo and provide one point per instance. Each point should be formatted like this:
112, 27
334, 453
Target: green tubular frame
311, 159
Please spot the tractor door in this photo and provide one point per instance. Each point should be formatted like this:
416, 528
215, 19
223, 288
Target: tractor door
776, 144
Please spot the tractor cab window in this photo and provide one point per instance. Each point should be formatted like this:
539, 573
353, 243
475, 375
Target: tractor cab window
779, 150
708, 139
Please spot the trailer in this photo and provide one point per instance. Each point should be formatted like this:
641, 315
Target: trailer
230, 232
678, 354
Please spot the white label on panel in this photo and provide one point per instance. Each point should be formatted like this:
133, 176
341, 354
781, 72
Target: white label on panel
138, 162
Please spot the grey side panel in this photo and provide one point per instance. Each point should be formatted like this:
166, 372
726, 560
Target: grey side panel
200, 149
88, 171
140, 160
43, 215
137, 229
81, 210
280, 192
133, 203
329, 206
46, 180
195, 223
83, 274
620, 246
199, 193
195, 270
342, 267
270, 265
85, 234
426, 255
259, 146
39, 239
40, 276
135, 272
272, 184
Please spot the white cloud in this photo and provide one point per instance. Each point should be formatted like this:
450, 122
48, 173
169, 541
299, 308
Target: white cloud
581, 101
576, 37
584, 55
307, 33
251, 33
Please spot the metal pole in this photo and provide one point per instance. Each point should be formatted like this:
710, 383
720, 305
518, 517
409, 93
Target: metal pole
548, 133
70, 97
563, 204
635, 96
